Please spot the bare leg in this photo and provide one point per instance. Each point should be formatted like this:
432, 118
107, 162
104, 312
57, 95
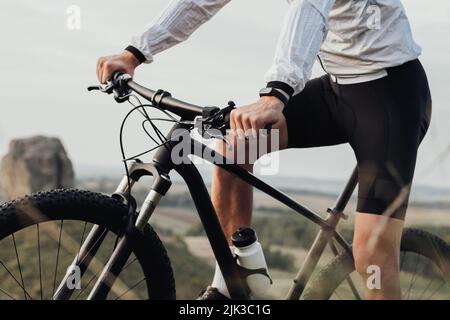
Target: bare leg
233, 198
373, 250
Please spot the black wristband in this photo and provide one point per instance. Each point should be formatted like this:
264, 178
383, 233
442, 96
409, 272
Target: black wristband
282, 86
272, 92
136, 53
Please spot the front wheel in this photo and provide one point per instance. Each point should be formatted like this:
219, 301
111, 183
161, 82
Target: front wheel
40, 236
424, 271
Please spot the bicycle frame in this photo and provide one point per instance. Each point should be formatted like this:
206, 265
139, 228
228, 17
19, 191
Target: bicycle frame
160, 169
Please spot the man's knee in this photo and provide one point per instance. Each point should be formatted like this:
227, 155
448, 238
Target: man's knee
382, 256
223, 177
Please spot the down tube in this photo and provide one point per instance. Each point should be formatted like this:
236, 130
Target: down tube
213, 229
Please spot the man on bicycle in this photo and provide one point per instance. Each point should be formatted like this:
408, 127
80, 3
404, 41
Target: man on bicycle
375, 96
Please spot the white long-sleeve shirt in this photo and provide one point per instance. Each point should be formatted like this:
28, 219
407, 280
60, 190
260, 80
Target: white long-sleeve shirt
355, 39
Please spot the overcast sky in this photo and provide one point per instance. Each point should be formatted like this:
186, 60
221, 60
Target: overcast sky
46, 68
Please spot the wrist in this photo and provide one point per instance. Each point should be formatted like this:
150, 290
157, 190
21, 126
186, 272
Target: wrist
275, 93
272, 101
135, 55
130, 58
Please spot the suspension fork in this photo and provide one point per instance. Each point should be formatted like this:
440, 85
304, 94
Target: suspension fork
122, 252
159, 169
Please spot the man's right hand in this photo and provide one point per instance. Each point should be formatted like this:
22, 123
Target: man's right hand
124, 62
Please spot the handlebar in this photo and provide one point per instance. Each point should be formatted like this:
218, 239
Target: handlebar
164, 100
121, 84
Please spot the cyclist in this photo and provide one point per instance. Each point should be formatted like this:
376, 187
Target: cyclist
375, 96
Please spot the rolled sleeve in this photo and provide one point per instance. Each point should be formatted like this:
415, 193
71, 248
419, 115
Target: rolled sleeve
177, 22
303, 33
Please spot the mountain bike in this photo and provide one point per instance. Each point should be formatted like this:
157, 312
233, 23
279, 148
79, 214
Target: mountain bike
51, 240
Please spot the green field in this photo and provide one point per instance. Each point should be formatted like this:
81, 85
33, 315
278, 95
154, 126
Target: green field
285, 237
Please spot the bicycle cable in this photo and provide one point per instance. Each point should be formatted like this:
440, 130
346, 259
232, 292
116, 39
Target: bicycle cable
141, 108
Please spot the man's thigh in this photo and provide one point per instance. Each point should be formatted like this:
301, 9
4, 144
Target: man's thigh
313, 117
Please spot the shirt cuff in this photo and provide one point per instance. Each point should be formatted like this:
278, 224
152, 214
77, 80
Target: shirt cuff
136, 53
142, 46
281, 86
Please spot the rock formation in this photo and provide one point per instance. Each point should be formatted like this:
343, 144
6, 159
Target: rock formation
35, 164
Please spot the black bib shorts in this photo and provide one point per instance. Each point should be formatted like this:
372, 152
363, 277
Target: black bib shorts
383, 120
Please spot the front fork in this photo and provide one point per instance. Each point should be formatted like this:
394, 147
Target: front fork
123, 250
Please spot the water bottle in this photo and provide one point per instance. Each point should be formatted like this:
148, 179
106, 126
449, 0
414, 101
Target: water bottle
250, 257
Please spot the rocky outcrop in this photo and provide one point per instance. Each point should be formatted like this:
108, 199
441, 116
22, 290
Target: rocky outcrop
35, 164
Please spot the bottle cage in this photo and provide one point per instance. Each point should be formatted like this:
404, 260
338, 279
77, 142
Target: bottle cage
245, 272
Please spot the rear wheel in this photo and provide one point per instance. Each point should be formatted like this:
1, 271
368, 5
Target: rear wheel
424, 271
40, 236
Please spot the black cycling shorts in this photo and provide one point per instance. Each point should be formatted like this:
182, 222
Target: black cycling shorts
383, 120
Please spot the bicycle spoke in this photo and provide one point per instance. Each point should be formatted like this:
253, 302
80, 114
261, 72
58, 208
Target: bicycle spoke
129, 289
85, 256
94, 276
7, 294
351, 284
426, 288
407, 293
92, 246
413, 282
436, 290
20, 268
81, 240
15, 279
87, 285
129, 263
39, 258
57, 257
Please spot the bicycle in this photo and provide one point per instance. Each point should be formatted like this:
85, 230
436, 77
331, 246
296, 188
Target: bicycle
126, 237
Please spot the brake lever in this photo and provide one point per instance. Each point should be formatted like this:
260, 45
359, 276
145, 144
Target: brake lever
199, 125
92, 88
219, 137
108, 88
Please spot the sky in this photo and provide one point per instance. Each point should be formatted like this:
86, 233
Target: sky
46, 68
